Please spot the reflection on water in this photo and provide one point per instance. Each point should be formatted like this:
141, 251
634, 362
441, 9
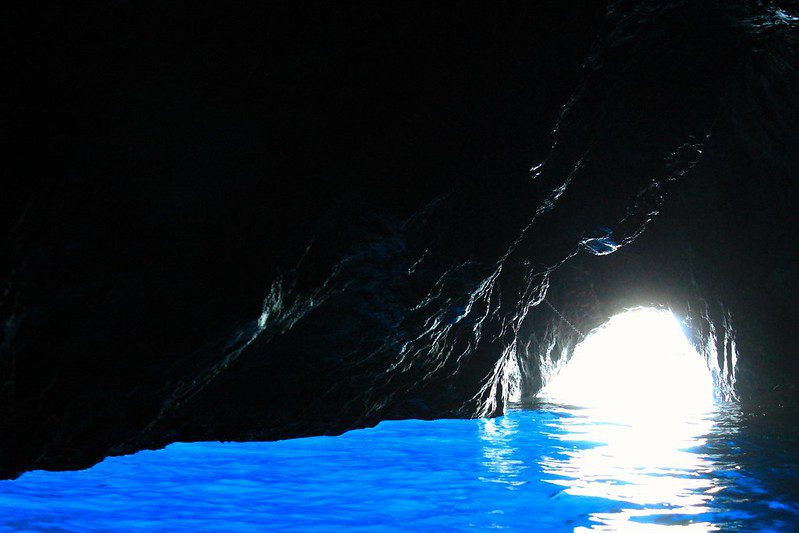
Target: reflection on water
550, 469
502, 461
682, 472
657, 465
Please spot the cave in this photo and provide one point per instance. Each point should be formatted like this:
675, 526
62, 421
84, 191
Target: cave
255, 222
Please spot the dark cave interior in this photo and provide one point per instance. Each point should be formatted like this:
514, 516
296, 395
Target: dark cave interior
257, 223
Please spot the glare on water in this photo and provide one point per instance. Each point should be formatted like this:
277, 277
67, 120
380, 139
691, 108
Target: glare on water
639, 392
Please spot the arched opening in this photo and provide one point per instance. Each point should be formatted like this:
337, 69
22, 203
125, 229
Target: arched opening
634, 404
638, 364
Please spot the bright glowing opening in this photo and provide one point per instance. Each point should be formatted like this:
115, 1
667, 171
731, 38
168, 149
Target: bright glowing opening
638, 365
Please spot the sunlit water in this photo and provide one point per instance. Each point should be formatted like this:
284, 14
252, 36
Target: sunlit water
550, 469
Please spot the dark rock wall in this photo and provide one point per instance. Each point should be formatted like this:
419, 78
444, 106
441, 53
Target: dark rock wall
262, 224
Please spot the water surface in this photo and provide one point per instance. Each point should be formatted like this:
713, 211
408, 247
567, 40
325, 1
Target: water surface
551, 469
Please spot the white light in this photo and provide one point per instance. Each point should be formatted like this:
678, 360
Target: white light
638, 366
645, 400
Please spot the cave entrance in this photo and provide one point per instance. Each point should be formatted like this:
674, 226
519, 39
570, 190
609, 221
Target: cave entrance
638, 365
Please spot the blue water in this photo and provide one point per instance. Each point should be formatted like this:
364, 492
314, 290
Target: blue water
552, 469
